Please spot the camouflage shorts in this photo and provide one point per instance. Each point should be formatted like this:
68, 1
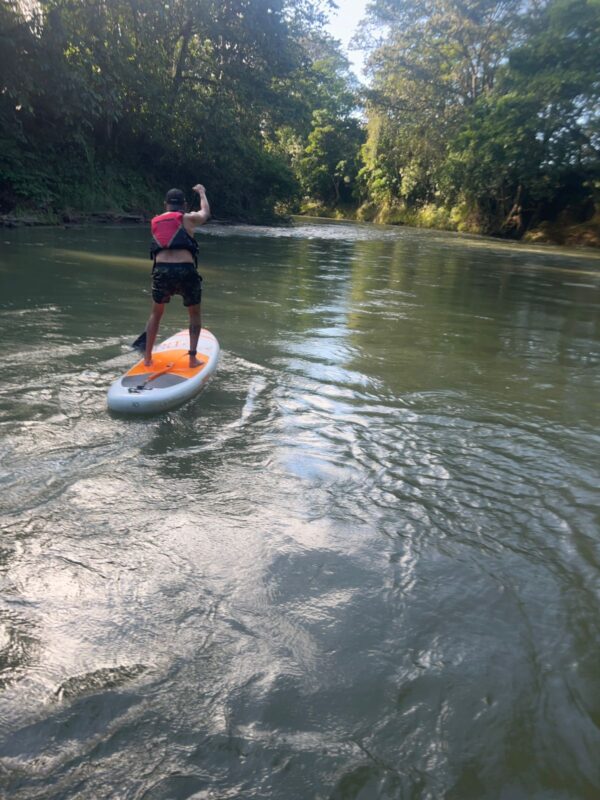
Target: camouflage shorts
170, 279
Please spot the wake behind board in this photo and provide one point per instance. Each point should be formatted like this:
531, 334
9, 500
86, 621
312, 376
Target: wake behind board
169, 382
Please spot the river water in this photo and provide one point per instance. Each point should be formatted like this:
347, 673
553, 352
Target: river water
363, 564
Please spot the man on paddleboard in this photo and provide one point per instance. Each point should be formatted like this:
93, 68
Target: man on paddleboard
175, 270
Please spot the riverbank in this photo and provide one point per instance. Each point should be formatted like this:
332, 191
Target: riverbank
562, 232
584, 234
99, 218
96, 218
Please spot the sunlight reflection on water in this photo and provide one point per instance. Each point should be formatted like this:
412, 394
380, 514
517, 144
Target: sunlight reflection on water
361, 564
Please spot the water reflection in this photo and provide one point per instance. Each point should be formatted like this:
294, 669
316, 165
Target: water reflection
360, 564
18, 646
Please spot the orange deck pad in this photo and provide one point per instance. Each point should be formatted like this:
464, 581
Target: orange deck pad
162, 359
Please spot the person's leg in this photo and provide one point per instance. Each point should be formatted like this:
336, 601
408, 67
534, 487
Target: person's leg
152, 330
195, 328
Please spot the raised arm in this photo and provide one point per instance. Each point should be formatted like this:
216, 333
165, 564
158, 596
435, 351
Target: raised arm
202, 216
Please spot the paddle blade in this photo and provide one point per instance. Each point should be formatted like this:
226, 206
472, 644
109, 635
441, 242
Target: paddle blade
140, 342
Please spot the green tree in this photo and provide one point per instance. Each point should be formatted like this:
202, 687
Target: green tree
487, 105
436, 59
329, 163
531, 149
150, 92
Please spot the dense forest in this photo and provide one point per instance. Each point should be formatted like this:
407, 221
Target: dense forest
478, 115
483, 114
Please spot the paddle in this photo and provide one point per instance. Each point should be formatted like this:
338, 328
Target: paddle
140, 343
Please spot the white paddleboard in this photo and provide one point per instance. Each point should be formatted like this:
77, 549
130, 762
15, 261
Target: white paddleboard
169, 382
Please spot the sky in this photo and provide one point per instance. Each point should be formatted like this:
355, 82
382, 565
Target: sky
343, 24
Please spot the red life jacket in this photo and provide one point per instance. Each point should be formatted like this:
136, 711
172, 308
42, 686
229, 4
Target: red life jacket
168, 233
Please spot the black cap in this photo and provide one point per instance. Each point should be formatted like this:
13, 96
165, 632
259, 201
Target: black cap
175, 197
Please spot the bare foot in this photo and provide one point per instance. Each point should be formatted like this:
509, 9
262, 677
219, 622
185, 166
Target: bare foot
148, 362
194, 362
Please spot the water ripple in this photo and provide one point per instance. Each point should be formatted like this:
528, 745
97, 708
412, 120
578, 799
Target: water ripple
363, 563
